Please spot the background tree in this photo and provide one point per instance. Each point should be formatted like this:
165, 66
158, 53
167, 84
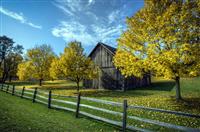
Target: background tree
10, 57
164, 38
74, 65
25, 70
38, 62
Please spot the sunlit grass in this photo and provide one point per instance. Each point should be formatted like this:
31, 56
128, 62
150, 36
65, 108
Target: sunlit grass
22, 115
161, 94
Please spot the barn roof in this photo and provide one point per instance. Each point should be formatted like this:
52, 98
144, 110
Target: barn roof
107, 47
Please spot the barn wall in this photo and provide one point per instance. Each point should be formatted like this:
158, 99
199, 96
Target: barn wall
110, 77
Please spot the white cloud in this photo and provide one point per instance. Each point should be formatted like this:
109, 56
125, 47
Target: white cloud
70, 31
97, 24
91, 2
92, 15
33, 25
65, 10
71, 7
20, 17
107, 34
113, 16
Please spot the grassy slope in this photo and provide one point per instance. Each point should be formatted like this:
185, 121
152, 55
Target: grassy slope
160, 95
22, 115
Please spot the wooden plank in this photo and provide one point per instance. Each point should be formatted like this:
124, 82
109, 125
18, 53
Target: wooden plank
137, 129
17, 91
117, 123
18, 94
64, 96
163, 124
42, 92
63, 108
65, 102
9, 92
103, 101
40, 96
27, 97
40, 101
164, 111
28, 93
28, 89
102, 109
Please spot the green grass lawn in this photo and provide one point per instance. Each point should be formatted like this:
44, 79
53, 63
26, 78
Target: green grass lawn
161, 94
22, 115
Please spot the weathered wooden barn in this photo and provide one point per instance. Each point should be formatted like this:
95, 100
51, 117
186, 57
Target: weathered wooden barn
110, 77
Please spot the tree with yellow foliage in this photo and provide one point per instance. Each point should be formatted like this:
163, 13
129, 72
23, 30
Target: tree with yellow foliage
163, 37
74, 65
38, 63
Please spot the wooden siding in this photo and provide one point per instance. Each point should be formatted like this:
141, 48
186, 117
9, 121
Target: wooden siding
110, 77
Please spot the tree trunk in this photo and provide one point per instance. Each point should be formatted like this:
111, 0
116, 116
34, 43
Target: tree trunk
178, 92
10, 78
149, 79
77, 86
40, 82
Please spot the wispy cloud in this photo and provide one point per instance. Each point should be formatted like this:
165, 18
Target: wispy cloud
91, 2
112, 17
90, 22
19, 17
65, 10
70, 31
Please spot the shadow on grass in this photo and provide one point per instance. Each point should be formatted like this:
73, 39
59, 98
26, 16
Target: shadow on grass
156, 86
108, 93
160, 86
186, 103
59, 87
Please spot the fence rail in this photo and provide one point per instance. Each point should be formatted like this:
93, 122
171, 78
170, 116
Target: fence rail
39, 96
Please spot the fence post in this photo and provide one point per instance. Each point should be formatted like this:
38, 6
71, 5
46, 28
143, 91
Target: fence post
78, 104
13, 90
49, 101
22, 92
2, 86
124, 115
7, 89
34, 95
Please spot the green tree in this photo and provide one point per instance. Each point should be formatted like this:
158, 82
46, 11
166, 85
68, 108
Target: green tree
38, 62
163, 37
74, 65
25, 70
10, 57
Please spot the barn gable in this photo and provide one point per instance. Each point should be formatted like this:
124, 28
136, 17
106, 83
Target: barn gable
110, 77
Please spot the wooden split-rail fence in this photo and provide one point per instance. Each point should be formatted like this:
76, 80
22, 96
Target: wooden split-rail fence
38, 96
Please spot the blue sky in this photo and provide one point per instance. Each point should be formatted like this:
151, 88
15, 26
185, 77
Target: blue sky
57, 22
